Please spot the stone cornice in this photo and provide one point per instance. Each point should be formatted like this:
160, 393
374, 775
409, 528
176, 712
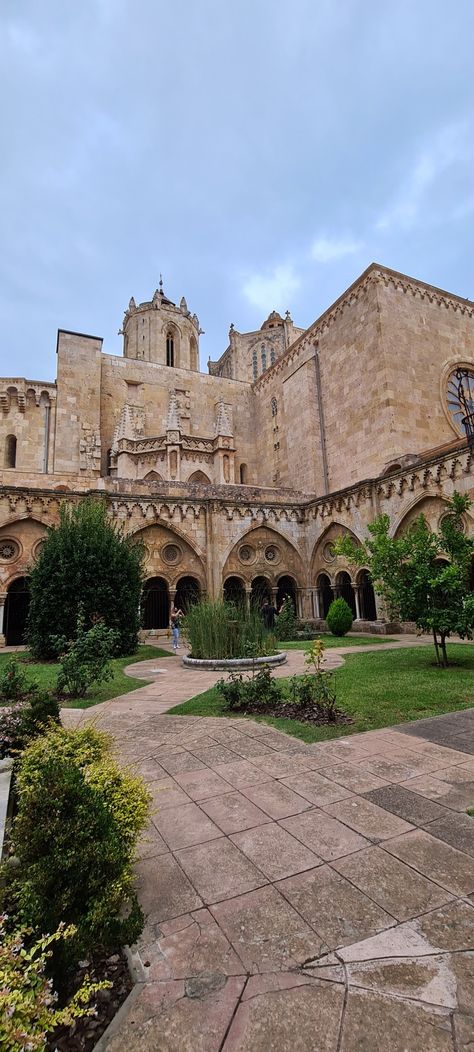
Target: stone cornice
180, 500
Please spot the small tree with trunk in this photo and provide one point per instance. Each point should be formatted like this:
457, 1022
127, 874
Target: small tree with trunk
423, 575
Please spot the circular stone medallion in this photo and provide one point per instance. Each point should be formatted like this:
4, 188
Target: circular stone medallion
171, 554
9, 550
246, 553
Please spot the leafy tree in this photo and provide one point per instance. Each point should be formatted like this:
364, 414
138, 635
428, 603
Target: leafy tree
87, 566
423, 575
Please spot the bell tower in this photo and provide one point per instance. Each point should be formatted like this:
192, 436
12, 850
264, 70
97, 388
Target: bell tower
158, 331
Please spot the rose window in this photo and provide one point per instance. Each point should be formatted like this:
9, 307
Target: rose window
171, 553
9, 550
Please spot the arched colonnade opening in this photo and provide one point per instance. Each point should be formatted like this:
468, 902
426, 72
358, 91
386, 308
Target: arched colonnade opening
157, 598
236, 590
358, 593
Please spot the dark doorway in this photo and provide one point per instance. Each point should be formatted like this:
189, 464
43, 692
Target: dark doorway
326, 594
286, 586
16, 611
346, 591
155, 603
234, 591
187, 593
260, 590
368, 611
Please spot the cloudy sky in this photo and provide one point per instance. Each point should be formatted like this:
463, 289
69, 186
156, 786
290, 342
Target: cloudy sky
258, 153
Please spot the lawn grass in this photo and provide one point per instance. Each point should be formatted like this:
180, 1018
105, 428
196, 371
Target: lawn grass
377, 690
45, 674
337, 641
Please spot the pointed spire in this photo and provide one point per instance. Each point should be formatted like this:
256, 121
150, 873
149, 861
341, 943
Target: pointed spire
161, 285
125, 427
172, 420
223, 427
132, 304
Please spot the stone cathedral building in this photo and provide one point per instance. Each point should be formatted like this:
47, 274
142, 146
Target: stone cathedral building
239, 480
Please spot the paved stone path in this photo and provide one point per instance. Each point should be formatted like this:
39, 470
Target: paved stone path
299, 898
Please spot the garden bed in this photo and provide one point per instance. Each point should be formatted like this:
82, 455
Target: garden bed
290, 710
236, 664
84, 1034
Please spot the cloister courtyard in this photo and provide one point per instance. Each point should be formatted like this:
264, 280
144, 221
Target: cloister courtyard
297, 895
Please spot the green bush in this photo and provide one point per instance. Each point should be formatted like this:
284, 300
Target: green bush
28, 1005
339, 617
218, 629
75, 834
14, 681
286, 623
259, 691
86, 563
86, 659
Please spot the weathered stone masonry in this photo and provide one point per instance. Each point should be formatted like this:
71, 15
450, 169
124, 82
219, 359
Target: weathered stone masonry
240, 479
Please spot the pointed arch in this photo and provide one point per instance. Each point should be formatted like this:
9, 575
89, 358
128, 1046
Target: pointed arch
323, 559
200, 476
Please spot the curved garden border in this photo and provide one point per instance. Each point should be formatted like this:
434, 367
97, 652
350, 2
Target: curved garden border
239, 664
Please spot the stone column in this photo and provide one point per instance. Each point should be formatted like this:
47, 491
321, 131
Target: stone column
356, 589
306, 595
316, 603
3, 597
248, 593
380, 607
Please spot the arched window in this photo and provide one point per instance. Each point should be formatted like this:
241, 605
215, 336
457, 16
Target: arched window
243, 474
109, 462
272, 357
255, 367
264, 358
170, 349
10, 451
274, 405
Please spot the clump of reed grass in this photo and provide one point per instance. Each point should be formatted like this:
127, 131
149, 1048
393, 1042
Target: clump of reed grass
219, 629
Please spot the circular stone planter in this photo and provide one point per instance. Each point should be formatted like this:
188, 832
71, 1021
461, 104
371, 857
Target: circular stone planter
239, 664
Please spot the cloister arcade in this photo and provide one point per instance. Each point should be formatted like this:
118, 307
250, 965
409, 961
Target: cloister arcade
262, 563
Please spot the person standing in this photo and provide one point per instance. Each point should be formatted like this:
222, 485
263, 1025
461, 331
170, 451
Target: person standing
268, 613
175, 618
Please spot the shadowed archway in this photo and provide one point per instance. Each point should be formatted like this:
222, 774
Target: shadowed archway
260, 590
326, 594
368, 610
234, 591
287, 587
187, 593
155, 603
16, 611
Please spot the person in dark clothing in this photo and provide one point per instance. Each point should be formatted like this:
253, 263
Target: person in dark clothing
268, 613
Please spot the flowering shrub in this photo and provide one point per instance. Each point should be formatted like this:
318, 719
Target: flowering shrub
28, 1003
286, 623
24, 720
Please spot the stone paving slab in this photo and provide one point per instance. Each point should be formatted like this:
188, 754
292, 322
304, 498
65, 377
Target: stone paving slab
298, 898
